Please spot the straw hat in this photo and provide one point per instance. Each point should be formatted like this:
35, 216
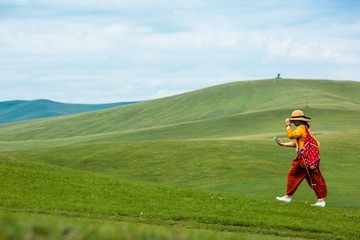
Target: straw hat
299, 115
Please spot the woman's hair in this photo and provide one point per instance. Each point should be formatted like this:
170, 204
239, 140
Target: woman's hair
304, 123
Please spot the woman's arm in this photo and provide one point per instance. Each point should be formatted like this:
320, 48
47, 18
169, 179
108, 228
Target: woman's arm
287, 144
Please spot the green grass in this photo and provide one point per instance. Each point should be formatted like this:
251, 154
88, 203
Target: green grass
59, 193
258, 124
200, 165
41, 226
255, 167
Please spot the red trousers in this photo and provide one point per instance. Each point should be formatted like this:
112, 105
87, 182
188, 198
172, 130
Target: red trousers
297, 174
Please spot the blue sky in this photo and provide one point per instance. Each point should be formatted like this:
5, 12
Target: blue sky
90, 51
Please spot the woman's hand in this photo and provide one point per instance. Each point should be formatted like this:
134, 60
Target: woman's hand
278, 141
287, 121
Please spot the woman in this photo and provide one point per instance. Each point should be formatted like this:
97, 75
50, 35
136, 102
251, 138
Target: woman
297, 173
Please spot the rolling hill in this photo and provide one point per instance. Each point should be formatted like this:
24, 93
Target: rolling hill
20, 110
177, 132
203, 161
233, 104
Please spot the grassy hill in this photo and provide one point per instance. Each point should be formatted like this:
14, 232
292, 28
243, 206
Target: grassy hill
235, 103
201, 165
20, 110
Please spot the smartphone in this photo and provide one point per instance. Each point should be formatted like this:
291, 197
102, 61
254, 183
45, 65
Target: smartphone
277, 140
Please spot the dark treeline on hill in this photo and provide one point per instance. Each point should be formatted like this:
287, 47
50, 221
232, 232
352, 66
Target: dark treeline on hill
20, 110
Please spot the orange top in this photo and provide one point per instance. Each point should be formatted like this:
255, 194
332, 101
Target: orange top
298, 135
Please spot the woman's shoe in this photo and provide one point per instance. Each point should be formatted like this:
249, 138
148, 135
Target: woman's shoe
319, 204
284, 199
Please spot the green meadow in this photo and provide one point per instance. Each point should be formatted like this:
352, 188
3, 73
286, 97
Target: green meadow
199, 165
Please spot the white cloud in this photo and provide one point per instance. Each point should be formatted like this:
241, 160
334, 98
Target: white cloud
61, 38
139, 49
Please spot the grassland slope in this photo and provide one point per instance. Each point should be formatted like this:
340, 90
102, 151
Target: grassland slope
228, 101
223, 143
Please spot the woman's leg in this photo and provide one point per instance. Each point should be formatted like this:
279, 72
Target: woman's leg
295, 176
318, 183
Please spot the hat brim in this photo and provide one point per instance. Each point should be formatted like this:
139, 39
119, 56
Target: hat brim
299, 119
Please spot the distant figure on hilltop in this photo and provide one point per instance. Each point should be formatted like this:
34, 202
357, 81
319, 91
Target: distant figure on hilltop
278, 75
